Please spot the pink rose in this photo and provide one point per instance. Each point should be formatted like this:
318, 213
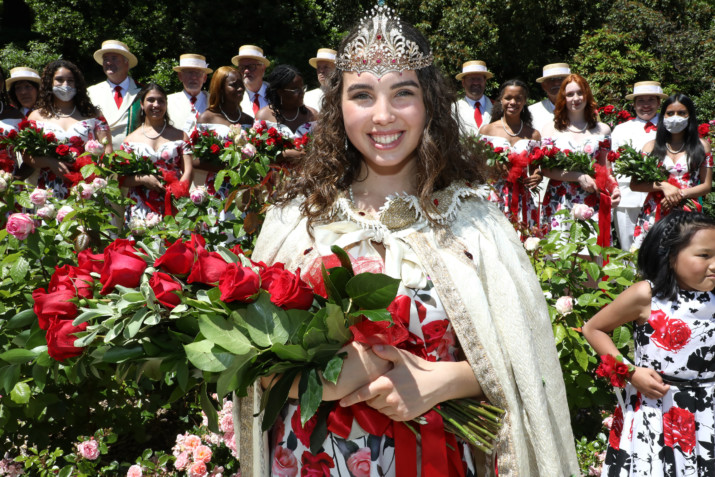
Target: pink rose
64, 210
198, 196
88, 449
165, 155
202, 454
284, 463
588, 149
182, 460
359, 463
47, 212
135, 471
94, 147
39, 196
197, 469
98, 183
20, 226
192, 441
564, 305
249, 150
85, 190
582, 212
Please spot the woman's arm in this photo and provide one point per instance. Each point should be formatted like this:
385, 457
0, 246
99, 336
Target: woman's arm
631, 305
584, 180
149, 181
188, 163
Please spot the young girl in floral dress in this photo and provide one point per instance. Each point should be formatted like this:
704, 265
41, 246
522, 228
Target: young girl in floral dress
685, 156
665, 426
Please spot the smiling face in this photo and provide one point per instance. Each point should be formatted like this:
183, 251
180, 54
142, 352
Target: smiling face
154, 105
694, 266
574, 97
115, 66
646, 106
384, 119
233, 88
513, 100
474, 85
192, 79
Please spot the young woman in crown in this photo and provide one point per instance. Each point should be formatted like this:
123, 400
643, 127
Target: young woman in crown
388, 180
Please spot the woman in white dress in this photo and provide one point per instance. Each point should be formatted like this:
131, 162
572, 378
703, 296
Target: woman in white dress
512, 131
576, 128
157, 141
64, 110
9, 119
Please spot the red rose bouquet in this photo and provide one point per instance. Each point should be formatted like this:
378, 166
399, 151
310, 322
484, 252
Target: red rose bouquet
613, 116
127, 163
208, 147
615, 370
638, 165
31, 140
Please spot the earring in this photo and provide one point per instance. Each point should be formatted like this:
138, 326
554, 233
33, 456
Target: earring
346, 143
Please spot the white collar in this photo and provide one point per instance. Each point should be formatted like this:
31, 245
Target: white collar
124, 85
261, 92
654, 120
472, 103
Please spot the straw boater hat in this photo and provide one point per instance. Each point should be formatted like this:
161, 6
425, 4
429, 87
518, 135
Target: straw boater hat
194, 62
250, 51
324, 54
471, 67
647, 88
114, 46
554, 70
22, 73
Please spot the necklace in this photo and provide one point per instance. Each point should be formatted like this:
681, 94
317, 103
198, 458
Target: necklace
155, 137
297, 113
229, 119
61, 114
576, 130
670, 149
503, 125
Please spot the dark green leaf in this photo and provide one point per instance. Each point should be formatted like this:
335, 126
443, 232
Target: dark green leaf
337, 327
18, 356
209, 410
224, 333
277, 397
21, 320
333, 292
9, 375
290, 352
344, 258
311, 394
119, 354
372, 290
229, 380
320, 431
206, 356
372, 315
264, 321
333, 368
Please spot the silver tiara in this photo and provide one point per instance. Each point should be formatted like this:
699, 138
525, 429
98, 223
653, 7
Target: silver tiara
380, 47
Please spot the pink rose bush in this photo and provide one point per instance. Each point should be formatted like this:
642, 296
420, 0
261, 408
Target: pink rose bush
564, 305
20, 226
135, 471
88, 449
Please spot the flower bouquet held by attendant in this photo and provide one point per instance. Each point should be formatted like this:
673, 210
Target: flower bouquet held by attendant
165, 147
388, 180
686, 158
512, 131
580, 174
66, 117
9, 119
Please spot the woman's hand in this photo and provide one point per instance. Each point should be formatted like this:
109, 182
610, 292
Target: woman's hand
672, 196
59, 168
587, 183
534, 179
360, 367
414, 386
150, 181
649, 383
615, 197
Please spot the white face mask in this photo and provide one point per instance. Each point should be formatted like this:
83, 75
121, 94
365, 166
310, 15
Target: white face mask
64, 93
675, 124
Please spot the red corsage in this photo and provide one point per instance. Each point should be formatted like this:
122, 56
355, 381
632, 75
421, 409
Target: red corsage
615, 370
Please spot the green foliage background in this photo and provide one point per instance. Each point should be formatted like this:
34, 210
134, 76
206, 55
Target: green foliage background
611, 42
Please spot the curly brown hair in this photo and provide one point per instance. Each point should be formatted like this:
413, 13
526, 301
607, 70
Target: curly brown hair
332, 163
590, 113
81, 99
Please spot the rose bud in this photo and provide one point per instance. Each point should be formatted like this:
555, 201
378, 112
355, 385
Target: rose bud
39, 196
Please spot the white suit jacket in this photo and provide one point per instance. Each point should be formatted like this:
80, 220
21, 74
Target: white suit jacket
179, 109
247, 101
102, 96
466, 115
542, 113
313, 98
634, 134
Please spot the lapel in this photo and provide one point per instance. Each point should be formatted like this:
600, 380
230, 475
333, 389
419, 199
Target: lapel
129, 98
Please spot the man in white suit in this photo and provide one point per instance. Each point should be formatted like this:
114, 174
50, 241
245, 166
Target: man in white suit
324, 63
637, 132
475, 109
116, 97
542, 113
186, 105
252, 65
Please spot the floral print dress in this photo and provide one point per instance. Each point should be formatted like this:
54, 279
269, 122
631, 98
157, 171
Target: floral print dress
75, 137
169, 160
521, 210
671, 436
679, 176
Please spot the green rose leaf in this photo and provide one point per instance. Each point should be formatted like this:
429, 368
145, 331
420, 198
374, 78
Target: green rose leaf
20, 393
209, 410
265, 322
21, 320
207, 357
372, 315
277, 397
224, 333
18, 356
311, 394
332, 370
344, 259
290, 352
372, 290
230, 379
119, 353
19, 270
337, 327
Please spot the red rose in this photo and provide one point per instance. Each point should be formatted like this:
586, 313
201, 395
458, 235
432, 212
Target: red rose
194, 136
591, 200
76, 141
90, 262
227, 144
178, 258
165, 288
270, 141
303, 432
215, 149
121, 267
179, 188
62, 150
12, 134
614, 437
384, 332
74, 279
50, 137
284, 463
671, 334
679, 429
433, 333
60, 339
208, 267
238, 283
82, 161
54, 305
608, 109
613, 156
315, 465
272, 132
624, 115
287, 289
704, 129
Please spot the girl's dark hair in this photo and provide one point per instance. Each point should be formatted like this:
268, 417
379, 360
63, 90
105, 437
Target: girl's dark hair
561, 114
280, 77
332, 163
661, 246
693, 145
13, 96
81, 99
498, 111
4, 99
142, 94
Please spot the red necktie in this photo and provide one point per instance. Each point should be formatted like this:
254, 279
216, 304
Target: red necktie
649, 126
256, 104
478, 114
193, 103
118, 96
